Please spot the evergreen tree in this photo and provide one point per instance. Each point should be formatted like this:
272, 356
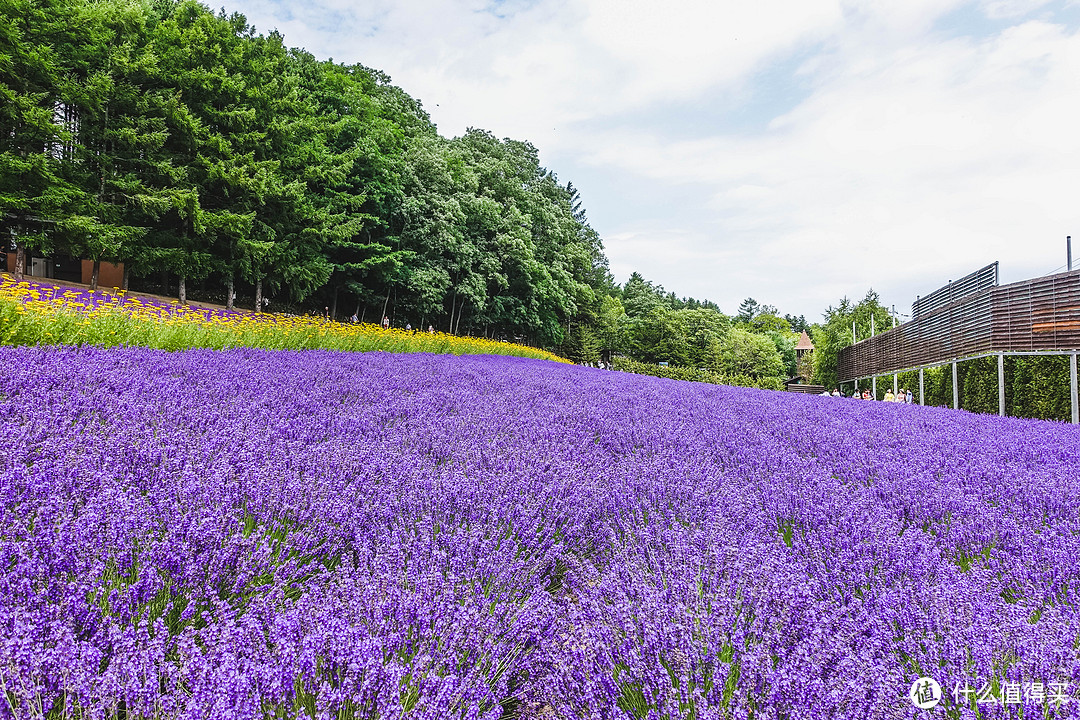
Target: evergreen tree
829, 339
36, 147
119, 128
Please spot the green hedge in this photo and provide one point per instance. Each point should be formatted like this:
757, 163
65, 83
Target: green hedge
1035, 386
676, 372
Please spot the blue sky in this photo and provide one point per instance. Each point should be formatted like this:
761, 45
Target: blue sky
794, 152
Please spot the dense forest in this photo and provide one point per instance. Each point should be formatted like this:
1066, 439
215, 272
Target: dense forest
217, 163
182, 143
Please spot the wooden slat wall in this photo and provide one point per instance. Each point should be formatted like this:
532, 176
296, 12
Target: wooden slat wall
982, 279
1032, 315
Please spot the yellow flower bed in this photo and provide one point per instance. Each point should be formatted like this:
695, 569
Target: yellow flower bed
36, 314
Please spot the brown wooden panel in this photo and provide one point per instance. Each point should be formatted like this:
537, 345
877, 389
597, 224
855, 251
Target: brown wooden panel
1031, 315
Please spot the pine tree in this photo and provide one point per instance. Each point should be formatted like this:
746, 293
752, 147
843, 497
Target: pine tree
35, 145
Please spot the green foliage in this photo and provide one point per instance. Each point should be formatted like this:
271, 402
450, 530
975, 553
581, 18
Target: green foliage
654, 327
785, 342
713, 377
836, 334
797, 324
36, 51
640, 297
1035, 386
748, 310
742, 352
658, 336
769, 322
610, 326
704, 329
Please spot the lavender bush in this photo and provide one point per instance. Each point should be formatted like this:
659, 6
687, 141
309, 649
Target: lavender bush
251, 534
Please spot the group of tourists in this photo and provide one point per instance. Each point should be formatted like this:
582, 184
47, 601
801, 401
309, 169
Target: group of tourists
408, 326
900, 396
385, 324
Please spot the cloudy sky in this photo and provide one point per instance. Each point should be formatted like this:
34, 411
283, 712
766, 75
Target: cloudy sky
791, 151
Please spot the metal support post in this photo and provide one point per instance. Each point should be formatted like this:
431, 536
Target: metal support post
1073, 400
955, 389
1001, 384
922, 399
873, 386
894, 390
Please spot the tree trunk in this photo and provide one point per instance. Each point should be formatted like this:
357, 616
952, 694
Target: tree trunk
385, 303
105, 147
363, 314
183, 279
333, 304
95, 274
453, 304
258, 295
164, 282
127, 276
460, 312
20, 260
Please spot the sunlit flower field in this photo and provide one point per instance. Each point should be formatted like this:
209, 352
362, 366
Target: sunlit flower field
36, 313
254, 534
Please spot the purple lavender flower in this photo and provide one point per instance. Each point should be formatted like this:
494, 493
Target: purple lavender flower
244, 534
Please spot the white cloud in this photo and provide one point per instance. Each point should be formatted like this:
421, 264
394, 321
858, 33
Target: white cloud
914, 166
543, 66
1000, 9
681, 49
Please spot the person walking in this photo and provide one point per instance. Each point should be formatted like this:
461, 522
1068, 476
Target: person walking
385, 323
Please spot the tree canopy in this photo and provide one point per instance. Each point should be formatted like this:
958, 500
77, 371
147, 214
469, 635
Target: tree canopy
182, 143
835, 334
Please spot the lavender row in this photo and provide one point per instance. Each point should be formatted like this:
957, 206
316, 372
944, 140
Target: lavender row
84, 300
246, 534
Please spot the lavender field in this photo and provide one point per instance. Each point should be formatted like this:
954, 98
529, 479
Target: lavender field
256, 534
